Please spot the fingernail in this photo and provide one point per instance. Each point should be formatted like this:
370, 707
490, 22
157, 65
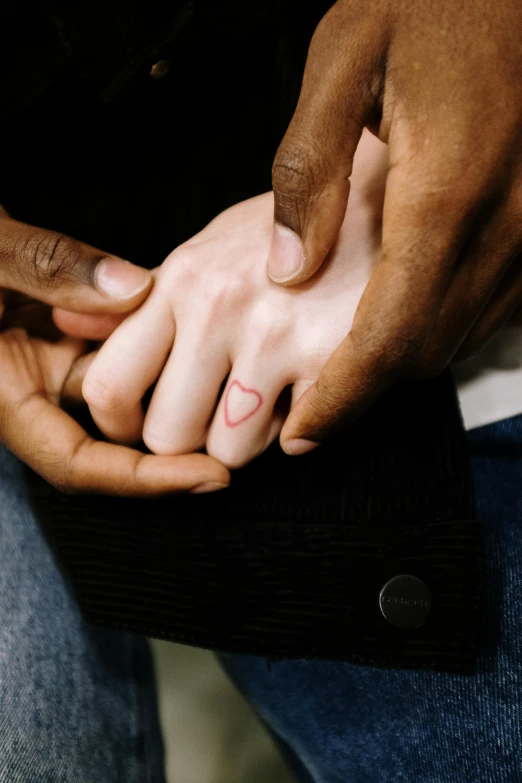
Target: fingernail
298, 446
208, 486
286, 255
120, 279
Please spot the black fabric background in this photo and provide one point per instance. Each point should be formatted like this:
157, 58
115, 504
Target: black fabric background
136, 166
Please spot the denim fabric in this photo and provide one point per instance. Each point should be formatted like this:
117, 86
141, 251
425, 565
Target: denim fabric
77, 704
341, 723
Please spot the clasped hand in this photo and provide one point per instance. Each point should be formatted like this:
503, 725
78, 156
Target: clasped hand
229, 351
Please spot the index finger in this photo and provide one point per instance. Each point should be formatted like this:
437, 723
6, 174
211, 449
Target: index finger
55, 446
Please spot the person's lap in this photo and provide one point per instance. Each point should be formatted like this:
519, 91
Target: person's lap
342, 723
77, 704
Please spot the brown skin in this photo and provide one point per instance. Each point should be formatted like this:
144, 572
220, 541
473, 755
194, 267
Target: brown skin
441, 82
35, 369
58, 270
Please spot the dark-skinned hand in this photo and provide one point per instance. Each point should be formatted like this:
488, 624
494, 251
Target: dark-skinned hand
34, 370
441, 83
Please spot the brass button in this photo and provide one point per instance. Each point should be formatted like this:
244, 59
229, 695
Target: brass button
160, 69
405, 601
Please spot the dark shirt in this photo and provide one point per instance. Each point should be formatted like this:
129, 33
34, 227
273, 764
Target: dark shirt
290, 561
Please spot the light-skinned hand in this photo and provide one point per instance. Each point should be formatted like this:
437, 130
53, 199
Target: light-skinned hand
224, 340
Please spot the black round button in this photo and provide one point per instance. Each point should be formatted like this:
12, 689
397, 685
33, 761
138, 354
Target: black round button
405, 601
160, 69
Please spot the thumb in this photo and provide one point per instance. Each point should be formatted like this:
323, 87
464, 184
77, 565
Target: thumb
310, 175
58, 270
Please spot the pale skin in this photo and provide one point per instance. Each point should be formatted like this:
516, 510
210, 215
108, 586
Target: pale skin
214, 316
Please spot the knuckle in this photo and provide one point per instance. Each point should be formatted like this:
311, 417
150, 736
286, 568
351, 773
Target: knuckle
72, 476
179, 264
50, 256
174, 442
267, 335
103, 394
157, 443
228, 291
230, 453
224, 293
404, 353
56, 471
394, 355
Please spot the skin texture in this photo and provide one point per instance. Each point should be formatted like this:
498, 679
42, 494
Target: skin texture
226, 341
441, 82
35, 364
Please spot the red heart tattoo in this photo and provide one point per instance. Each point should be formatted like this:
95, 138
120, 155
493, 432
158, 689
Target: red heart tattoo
244, 402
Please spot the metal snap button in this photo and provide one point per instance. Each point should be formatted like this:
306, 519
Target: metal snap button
160, 69
405, 601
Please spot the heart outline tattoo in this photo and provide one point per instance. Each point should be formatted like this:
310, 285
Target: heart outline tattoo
230, 421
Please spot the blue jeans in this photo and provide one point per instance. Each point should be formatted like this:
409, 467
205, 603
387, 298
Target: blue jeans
77, 704
341, 723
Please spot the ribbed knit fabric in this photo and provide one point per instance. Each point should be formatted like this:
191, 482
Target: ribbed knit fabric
290, 560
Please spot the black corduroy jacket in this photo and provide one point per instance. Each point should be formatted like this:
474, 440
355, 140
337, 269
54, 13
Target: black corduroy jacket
291, 560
